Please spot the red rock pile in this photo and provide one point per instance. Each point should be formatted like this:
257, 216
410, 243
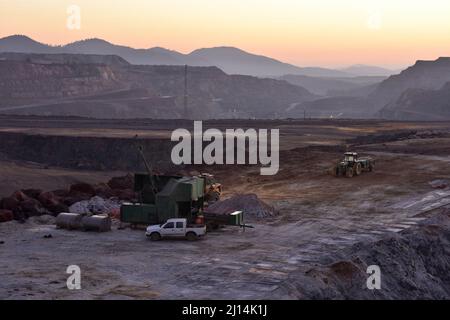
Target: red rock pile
26, 203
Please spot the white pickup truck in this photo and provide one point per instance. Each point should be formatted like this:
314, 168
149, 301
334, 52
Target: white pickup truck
175, 228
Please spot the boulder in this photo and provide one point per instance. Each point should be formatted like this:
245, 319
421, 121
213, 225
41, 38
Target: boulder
32, 193
440, 184
6, 215
82, 188
103, 190
9, 203
48, 199
19, 215
61, 193
32, 207
96, 205
70, 200
20, 196
121, 183
57, 208
345, 269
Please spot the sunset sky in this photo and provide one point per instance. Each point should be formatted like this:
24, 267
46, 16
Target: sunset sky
331, 33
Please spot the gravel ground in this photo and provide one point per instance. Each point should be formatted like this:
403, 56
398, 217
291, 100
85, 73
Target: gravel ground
323, 223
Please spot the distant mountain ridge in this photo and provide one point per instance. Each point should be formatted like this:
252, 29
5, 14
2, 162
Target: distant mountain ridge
421, 104
231, 60
236, 61
365, 70
428, 75
20, 43
420, 92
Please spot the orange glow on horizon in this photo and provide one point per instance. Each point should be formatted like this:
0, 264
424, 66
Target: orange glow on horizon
316, 33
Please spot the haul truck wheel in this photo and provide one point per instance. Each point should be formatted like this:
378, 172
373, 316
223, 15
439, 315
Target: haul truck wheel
358, 169
191, 236
349, 172
155, 236
334, 171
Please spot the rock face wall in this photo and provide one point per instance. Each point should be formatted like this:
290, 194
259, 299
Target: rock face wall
110, 88
31, 80
414, 265
400, 96
420, 103
87, 152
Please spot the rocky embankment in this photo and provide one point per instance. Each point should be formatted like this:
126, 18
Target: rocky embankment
26, 203
88, 153
414, 264
420, 103
25, 80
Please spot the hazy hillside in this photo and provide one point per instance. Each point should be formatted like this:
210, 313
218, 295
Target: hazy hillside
86, 85
420, 92
332, 86
230, 60
236, 61
21, 43
335, 107
421, 104
428, 75
152, 56
364, 70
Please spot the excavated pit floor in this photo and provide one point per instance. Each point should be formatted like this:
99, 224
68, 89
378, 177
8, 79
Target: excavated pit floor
319, 215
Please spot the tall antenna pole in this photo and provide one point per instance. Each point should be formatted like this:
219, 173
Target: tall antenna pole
186, 116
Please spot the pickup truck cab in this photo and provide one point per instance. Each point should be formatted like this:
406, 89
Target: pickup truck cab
175, 228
